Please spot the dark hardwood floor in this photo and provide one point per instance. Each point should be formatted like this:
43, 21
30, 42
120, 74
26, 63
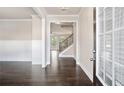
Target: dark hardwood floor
62, 73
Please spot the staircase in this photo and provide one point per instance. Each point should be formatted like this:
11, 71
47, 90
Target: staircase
66, 43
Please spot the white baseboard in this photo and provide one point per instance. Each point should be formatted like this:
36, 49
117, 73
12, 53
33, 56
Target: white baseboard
64, 51
16, 61
48, 62
87, 73
36, 63
66, 56
43, 66
77, 62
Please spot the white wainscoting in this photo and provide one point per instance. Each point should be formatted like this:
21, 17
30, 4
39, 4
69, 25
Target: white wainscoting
36, 51
15, 50
21, 50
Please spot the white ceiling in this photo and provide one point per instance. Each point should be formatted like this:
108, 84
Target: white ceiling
58, 11
16, 12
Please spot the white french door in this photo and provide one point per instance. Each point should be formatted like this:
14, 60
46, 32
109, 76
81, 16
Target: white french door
110, 45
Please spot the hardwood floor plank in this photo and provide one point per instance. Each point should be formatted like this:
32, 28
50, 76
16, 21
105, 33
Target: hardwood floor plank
63, 73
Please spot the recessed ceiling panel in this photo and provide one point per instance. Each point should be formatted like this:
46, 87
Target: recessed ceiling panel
62, 10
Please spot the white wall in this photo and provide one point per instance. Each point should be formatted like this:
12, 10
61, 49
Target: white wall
86, 40
15, 40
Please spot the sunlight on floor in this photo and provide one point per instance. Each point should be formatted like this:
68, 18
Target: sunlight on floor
54, 56
54, 60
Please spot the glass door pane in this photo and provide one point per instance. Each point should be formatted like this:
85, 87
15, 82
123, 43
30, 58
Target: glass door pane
111, 45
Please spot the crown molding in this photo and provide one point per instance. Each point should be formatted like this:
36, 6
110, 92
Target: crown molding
15, 19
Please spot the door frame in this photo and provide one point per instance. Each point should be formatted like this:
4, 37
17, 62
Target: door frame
60, 18
94, 46
97, 79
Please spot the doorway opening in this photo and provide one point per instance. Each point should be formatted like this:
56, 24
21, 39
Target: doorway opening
61, 37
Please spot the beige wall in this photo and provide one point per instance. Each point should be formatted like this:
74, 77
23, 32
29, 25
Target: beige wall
36, 28
57, 29
15, 40
86, 40
15, 30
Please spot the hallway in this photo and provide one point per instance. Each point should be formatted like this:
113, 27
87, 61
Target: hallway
63, 73
62, 46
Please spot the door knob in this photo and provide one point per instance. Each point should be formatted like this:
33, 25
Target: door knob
92, 59
93, 51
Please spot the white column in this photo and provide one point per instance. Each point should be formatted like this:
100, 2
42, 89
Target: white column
43, 43
36, 40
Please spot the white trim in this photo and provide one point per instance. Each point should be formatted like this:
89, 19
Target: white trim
43, 66
97, 45
61, 53
48, 42
87, 72
43, 43
47, 63
113, 47
36, 63
103, 82
77, 42
67, 56
16, 60
62, 21
15, 19
42, 13
62, 15
62, 18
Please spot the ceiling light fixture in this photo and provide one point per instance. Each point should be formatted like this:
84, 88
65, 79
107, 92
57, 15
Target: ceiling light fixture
64, 8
